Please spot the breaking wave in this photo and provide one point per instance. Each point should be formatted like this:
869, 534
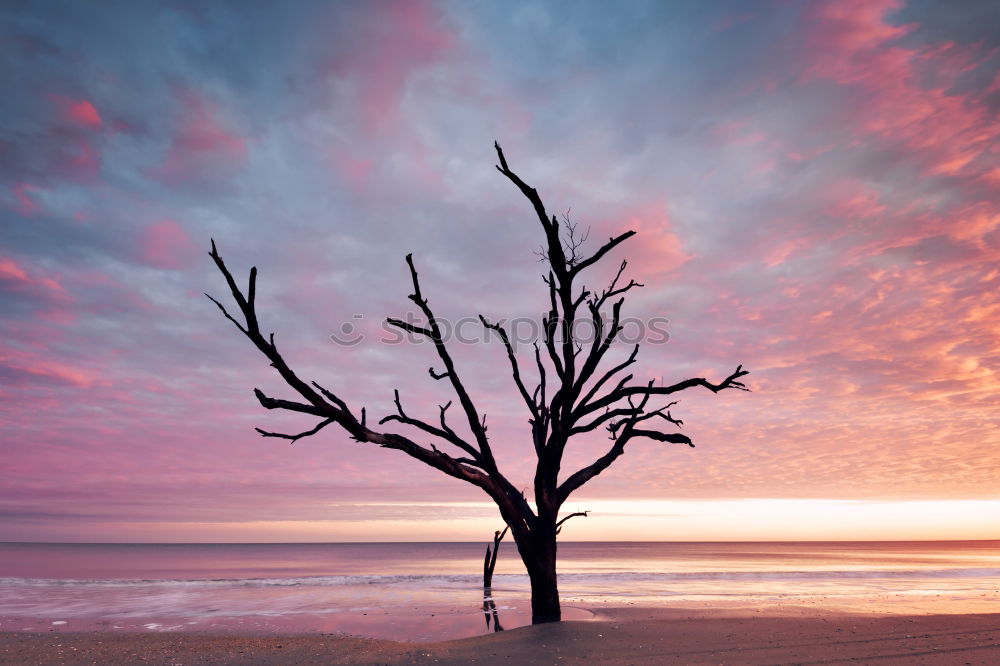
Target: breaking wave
475, 580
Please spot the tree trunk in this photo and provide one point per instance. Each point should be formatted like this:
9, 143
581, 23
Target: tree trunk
540, 560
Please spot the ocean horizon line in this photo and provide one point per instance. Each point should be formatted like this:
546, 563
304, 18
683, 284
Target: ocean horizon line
567, 541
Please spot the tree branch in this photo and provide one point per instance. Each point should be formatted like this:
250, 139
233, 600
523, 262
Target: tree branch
444, 432
559, 524
540, 389
326, 405
276, 403
600, 345
604, 249
294, 438
433, 332
608, 375
624, 392
613, 290
626, 426
227, 315
515, 371
556, 256
270, 350
580, 477
603, 418
671, 437
637, 416
410, 328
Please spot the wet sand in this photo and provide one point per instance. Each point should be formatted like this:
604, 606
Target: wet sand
617, 636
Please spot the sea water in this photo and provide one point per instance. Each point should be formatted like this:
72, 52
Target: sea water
427, 591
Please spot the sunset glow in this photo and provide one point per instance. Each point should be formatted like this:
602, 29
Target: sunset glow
815, 189
608, 520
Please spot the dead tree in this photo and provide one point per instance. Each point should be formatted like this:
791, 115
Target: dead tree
490, 563
575, 393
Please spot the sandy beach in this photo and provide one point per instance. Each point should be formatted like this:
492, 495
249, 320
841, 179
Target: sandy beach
616, 636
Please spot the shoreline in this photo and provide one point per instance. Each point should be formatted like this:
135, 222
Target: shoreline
618, 635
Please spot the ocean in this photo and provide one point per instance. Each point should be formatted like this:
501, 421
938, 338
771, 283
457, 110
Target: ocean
431, 591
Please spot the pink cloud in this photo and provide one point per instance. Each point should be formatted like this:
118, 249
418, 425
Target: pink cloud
656, 249
852, 26
69, 149
43, 294
904, 93
23, 203
355, 170
80, 161
406, 36
972, 223
203, 149
77, 112
784, 250
84, 113
49, 370
11, 272
166, 245
392, 44
855, 201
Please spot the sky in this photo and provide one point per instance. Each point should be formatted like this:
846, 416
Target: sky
815, 187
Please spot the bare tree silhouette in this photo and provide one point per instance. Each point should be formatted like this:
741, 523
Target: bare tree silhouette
571, 396
489, 564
